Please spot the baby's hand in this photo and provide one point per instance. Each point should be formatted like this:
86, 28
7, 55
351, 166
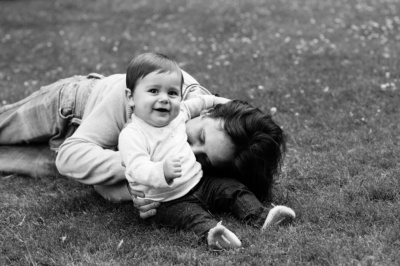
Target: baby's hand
172, 168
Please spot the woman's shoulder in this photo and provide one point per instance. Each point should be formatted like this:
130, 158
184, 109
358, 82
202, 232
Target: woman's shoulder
116, 80
111, 85
188, 79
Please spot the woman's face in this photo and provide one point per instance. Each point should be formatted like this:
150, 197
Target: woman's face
211, 146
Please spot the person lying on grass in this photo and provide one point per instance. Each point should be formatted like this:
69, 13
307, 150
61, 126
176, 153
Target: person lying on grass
81, 118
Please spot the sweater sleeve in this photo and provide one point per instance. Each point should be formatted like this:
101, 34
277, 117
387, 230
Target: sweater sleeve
193, 107
136, 158
90, 155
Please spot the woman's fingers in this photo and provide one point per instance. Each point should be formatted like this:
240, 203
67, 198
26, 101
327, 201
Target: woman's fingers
135, 193
148, 210
145, 215
146, 207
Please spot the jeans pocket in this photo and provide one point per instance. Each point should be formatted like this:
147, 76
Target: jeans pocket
67, 100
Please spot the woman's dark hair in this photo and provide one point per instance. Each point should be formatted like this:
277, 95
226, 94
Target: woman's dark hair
147, 63
260, 144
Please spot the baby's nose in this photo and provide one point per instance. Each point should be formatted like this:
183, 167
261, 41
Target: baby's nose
163, 99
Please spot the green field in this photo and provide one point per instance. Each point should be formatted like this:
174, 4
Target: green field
330, 67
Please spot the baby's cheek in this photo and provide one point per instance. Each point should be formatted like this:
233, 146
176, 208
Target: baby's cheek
176, 108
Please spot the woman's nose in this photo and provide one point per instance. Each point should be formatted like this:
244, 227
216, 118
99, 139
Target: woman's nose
195, 148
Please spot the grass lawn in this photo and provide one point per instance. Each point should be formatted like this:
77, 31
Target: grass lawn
330, 67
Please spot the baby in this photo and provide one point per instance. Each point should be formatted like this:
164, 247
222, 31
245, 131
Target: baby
154, 149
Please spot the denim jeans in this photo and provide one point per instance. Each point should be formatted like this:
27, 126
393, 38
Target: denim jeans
212, 195
44, 119
48, 115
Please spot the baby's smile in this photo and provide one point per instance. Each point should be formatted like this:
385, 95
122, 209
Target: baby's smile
163, 110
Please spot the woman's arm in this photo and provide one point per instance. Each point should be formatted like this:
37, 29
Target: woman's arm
193, 107
90, 155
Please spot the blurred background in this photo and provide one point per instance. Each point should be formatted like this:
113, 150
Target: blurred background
331, 68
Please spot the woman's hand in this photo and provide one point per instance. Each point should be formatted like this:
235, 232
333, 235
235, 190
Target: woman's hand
221, 100
147, 208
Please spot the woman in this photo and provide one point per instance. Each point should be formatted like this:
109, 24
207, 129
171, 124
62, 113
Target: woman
81, 117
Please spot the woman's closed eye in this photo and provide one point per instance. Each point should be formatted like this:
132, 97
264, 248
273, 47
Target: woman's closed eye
202, 137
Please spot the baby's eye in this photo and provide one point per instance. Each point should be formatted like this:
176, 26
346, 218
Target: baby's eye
153, 91
173, 93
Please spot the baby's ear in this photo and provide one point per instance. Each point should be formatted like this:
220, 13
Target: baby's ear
129, 97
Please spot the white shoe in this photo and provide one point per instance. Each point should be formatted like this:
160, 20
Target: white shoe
277, 215
221, 237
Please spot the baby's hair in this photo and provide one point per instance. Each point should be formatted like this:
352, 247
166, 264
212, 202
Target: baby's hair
146, 63
260, 144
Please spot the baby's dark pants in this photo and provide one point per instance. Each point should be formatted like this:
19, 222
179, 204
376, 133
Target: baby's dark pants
212, 195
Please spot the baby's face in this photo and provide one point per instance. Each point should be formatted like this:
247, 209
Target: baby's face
157, 98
